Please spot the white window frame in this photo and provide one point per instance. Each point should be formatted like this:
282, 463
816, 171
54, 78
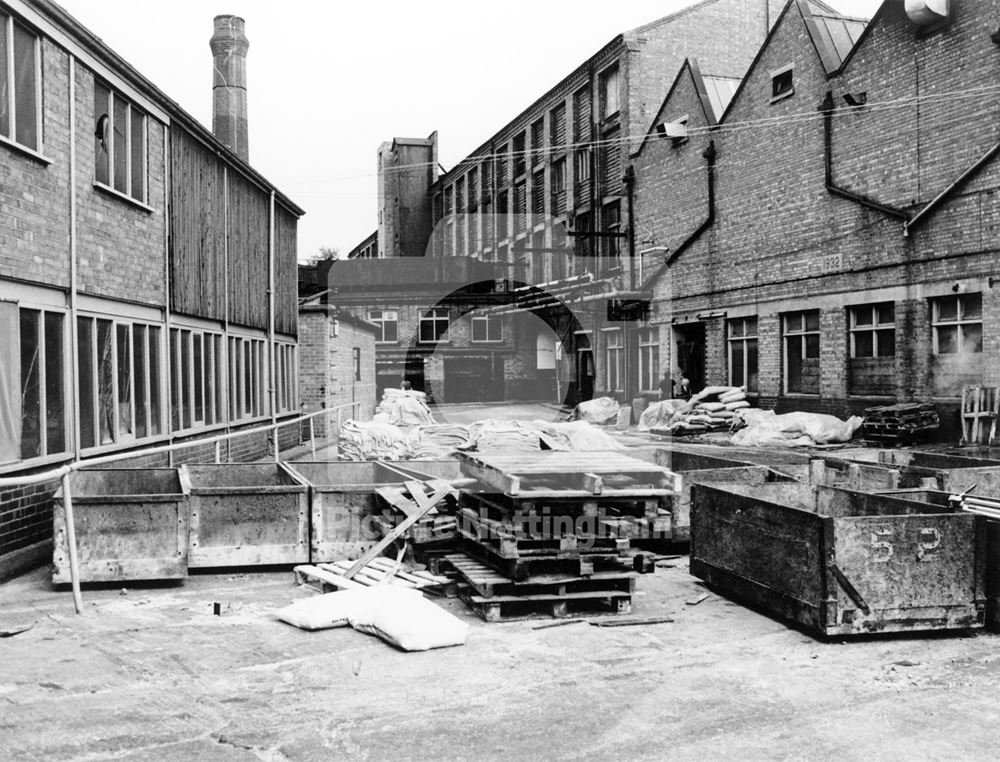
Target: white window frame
648, 339
432, 317
781, 95
614, 355
744, 339
610, 105
211, 380
875, 328
127, 193
489, 322
802, 334
381, 321
42, 361
286, 376
8, 31
959, 322
162, 343
247, 400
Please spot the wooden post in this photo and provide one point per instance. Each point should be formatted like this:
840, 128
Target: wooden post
312, 436
74, 564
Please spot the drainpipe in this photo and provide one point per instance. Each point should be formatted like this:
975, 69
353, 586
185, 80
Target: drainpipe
73, 331
629, 180
270, 318
826, 107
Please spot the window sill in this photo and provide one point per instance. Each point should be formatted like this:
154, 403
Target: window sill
123, 197
23, 149
35, 464
493, 342
386, 343
783, 96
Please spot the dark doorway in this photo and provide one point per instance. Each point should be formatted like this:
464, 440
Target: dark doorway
585, 373
472, 379
691, 353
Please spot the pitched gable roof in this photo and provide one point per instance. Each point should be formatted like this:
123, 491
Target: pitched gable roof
833, 34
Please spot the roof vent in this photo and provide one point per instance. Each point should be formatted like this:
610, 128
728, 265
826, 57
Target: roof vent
927, 13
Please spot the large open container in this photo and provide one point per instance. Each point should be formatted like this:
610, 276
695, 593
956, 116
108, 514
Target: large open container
131, 524
342, 499
246, 514
840, 562
914, 468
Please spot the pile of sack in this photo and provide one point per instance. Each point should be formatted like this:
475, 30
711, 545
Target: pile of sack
403, 408
763, 427
600, 411
711, 409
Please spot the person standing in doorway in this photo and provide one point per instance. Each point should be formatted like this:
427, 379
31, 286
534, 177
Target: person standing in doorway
667, 385
685, 384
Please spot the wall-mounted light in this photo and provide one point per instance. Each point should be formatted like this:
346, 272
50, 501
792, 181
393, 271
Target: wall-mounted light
856, 99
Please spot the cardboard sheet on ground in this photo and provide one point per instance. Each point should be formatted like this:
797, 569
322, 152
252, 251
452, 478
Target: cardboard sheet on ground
400, 616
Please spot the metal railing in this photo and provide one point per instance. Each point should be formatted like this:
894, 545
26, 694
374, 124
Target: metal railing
63, 472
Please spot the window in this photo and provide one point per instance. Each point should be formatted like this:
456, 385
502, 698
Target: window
610, 160
743, 353
120, 395
581, 241
246, 378
43, 383
537, 141
802, 352
538, 194
557, 126
520, 206
873, 330
486, 329
502, 165
611, 223
356, 356
560, 252
387, 322
609, 92
958, 325
120, 148
782, 84
433, 325
539, 255
581, 165
520, 159
20, 78
649, 358
197, 382
614, 353
286, 377
557, 185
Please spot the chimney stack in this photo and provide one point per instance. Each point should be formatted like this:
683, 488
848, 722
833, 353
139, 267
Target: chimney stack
229, 88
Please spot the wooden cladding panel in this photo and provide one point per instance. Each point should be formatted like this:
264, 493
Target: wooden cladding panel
197, 229
248, 253
286, 272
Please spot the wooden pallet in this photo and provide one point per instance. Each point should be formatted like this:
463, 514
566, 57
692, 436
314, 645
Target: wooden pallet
511, 542
570, 475
504, 507
432, 529
489, 584
329, 577
980, 411
503, 608
521, 568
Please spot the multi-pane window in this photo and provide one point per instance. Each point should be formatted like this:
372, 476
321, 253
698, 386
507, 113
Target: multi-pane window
356, 357
581, 165
486, 329
520, 159
433, 325
743, 353
538, 194
539, 256
20, 99
285, 377
610, 156
958, 324
873, 330
649, 357
537, 141
609, 92
120, 391
43, 379
557, 186
801, 332
614, 355
557, 127
520, 206
246, 378
387, 322
120, 147
198, 378
611, 223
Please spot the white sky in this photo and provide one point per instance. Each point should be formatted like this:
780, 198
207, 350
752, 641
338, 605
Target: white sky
329, 81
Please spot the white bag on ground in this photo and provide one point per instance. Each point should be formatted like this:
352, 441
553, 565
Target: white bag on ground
403, 617
321, 612
601, 410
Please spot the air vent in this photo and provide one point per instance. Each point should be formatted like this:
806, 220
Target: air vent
927, 13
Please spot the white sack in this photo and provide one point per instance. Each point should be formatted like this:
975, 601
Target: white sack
407, 620
322, 612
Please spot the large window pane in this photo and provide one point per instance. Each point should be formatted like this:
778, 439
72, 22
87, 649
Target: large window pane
139, 364
105, 381
155, 392
25, 87
4, 77
102, 142
85, 359
947, 339
120, 122
972, 338
864, 344
972, 306
947, 308
199, 379
31, 394
887, 343
185, 345
124, 380
138, 154
752, 383
55, 390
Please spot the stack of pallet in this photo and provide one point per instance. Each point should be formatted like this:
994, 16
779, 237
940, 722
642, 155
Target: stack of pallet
895, 423
551, 533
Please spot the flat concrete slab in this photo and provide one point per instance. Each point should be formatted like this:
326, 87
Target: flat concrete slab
153, 674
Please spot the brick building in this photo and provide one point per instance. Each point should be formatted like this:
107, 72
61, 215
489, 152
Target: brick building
147, 271
833, 238
545, 201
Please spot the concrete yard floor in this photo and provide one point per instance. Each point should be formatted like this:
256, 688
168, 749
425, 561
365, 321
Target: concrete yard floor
152, 674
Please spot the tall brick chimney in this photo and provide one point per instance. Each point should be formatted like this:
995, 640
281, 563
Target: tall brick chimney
229, 88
